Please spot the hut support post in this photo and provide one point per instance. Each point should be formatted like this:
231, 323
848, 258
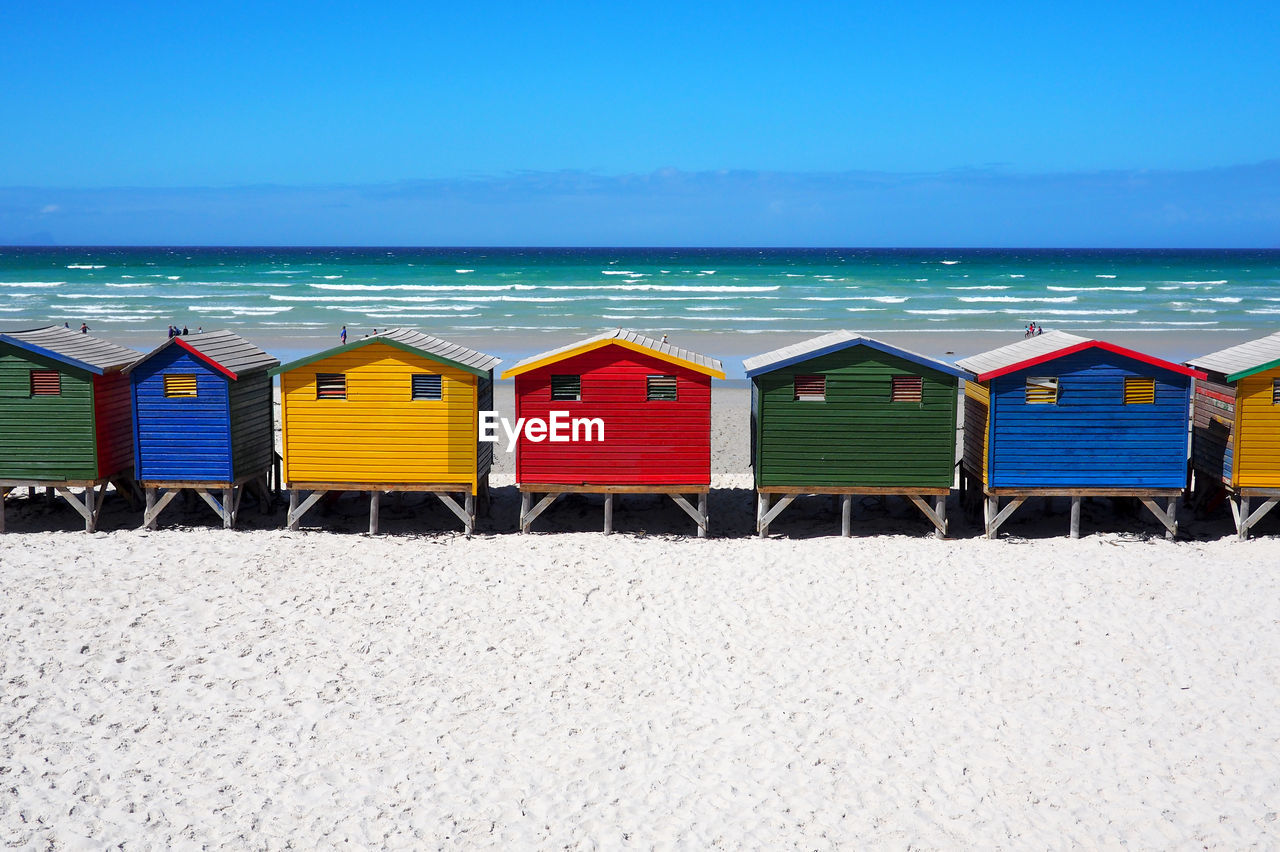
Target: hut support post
467, 515
1248, 520
156, 503
1168, 516
1075, 516
846, 515
298, 509
608, 514
699, 515
762, 508
375, 498
4, 492
997, 516
937, 515
529, 512
770, 514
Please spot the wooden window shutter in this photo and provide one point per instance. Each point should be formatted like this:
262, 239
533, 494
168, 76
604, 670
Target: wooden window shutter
1042, 390
45, 383
1139, 391
811, 388
1275, 391
566, 388
907, 389
179, 384
427, 386
331, 385
661, 388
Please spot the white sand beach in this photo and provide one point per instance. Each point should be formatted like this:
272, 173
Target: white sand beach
259, 688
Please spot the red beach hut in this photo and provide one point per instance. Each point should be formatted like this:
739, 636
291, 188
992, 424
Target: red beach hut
641, 411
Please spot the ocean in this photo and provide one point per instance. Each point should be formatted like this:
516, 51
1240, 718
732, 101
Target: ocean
294, 300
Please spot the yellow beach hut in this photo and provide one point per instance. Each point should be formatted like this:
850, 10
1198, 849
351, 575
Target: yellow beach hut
394, 411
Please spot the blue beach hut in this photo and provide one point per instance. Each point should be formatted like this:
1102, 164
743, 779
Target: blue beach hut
1059, 415
203, 420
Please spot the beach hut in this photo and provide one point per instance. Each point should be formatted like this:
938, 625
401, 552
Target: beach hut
393, 411
1235, 443
203, 420
846, 414
65, 418
1059, 415
634, 416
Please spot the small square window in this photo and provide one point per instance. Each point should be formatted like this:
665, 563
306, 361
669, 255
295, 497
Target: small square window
331, 385
661, 388
1139, 391
907, 389
566, 388
179, 384
46, 383
1042, 390
811, 388
427, 386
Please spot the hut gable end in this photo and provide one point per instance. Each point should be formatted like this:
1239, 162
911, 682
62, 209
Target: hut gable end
181, 437
647, 441
1089, 436
858, 435
45, 437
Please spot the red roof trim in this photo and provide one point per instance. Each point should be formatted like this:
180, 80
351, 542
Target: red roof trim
1093, 344
205, 358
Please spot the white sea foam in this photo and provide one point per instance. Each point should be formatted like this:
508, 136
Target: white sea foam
707, 272
864, 310
239, 310
1102, 289
11, 310
981, 287
625, 272
328, 277
429, 288
1039, 300
886, 300
283, 272
85, 266
373, 315
946, 311
463, 271
711, 308
32, 283
99, 296
1261, 311
1199, 283
1014, 275
948, 262
1104, 276
1228, 300
1061, 313
127, 285
174, 277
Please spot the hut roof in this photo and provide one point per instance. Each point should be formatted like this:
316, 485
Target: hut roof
224, 351
415, 342
70, 347
1243, 360
629, 340
834, 342
1049, 346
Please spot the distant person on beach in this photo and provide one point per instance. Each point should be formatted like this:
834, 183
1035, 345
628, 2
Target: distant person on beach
1039, 329
342, 335
172, 331
200, 330
184, 330
66, 325
84, 328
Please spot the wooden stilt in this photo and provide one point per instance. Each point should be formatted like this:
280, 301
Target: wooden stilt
705, 528
1242, 518
762, 509
1172, 509
846, 515
526, 502
375, 500
469, 506
1075, 516
90, 518
940, 508
608, 514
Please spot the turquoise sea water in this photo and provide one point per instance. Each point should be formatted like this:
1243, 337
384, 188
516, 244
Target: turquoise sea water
290, 295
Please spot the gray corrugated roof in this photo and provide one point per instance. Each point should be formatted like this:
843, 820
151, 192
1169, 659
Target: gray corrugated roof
71, 346
231, 351
1244, 356
435, 346
834, 341
1022, 350
631, 337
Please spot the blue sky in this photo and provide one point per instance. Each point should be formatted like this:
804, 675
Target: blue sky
682, 123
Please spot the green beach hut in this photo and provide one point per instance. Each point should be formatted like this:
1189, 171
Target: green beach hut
846, 414
66, 418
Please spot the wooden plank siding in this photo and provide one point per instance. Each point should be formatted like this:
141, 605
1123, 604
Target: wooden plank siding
45, 437
252, 425
113, 428
977, 427
856, 435
1213, 417
1258, 425
1089, 438
378, 434
646, 442
184, 438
